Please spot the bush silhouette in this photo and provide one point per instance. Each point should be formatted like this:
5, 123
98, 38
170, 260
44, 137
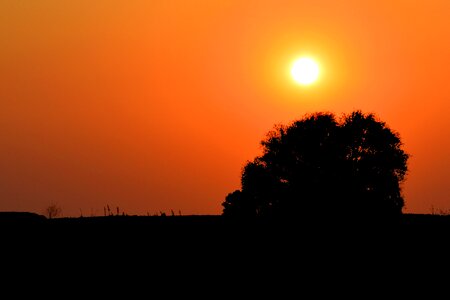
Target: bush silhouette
53, 211
323, 167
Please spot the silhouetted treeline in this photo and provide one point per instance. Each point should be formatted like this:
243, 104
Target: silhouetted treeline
324, 168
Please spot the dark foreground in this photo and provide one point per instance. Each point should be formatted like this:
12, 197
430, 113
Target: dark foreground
211, 250
216, 234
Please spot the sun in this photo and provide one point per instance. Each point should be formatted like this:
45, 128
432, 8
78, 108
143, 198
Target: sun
305, 71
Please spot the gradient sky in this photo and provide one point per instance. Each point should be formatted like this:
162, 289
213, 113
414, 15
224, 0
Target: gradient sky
157, 105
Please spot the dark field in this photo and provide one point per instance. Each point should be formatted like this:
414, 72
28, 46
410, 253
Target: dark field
192, 231
195, 253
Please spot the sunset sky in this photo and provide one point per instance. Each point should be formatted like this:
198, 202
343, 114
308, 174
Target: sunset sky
157, 105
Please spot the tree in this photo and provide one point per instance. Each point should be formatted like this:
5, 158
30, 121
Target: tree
323, 167
53, 211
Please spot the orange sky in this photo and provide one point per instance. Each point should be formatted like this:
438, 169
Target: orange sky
156, 105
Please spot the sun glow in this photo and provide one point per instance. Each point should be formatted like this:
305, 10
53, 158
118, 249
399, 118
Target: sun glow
305, 71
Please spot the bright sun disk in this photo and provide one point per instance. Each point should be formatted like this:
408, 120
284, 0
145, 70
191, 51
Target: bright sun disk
305, 71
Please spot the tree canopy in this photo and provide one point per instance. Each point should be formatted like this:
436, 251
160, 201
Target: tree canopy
324, 166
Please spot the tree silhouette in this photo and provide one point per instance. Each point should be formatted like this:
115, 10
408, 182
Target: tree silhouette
53, 211
323, 167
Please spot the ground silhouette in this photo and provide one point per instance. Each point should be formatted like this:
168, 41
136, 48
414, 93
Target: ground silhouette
324, 168
184, 253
